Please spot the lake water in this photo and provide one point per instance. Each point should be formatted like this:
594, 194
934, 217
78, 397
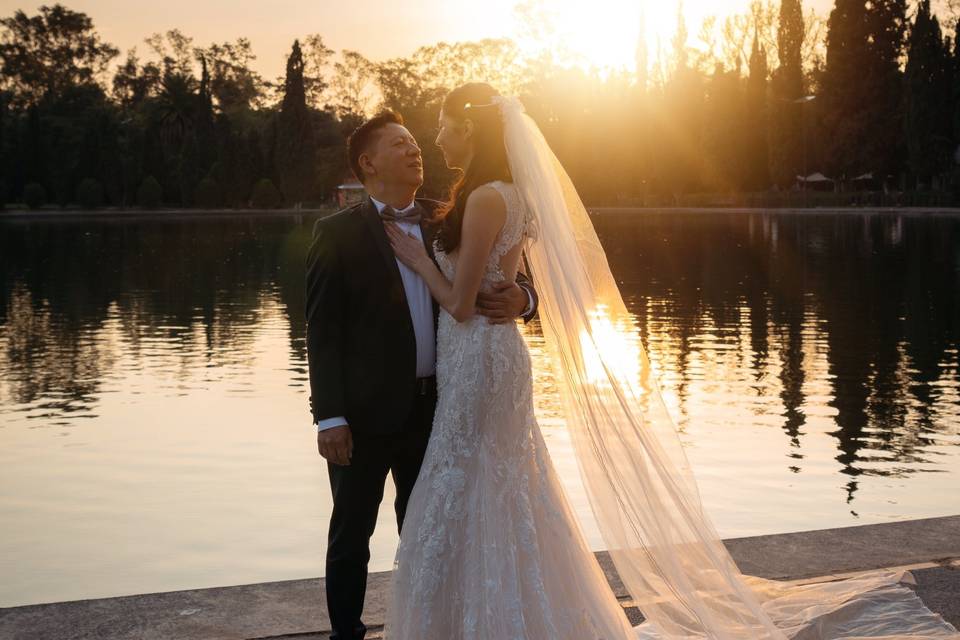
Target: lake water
155, 435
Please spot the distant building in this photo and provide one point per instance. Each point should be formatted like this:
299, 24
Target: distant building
349, 193
816, 182
864, 182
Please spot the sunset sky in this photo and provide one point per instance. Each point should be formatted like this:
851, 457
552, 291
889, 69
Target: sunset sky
604, 32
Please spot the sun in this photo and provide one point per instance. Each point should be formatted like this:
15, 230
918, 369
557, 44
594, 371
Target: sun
602, 35
605, 35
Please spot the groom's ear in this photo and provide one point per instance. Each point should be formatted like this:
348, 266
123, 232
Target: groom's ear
363, 161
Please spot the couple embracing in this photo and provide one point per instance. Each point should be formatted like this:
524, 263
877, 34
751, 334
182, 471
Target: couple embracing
418, 370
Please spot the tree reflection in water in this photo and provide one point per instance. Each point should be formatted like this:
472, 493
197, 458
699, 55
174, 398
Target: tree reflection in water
854, 315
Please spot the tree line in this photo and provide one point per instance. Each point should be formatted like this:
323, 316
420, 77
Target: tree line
868, 96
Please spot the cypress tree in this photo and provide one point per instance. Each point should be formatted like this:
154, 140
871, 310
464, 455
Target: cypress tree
862, 87
886, 40
206, 133
757, 174
296, 153
955, 83
927, 97
787, 125
843, 98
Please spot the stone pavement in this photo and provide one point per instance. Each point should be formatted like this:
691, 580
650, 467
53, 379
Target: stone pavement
294, 609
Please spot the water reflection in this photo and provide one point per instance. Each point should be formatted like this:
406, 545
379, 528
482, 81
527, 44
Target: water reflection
181, 296
857, 314
153, 386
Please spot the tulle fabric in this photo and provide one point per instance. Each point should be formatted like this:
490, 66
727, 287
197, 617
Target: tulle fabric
638, 481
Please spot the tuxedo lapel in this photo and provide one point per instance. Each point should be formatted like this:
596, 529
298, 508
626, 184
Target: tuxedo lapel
428, 229
375, 226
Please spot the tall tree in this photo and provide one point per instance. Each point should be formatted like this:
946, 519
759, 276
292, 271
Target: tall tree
352, 85
45, 55
862, 88
757, 169
175, 113
927, 99
640, 57
175, 50
316, 56
296, 149
679, 41
787, 126
955, 83
234, 85
132, 83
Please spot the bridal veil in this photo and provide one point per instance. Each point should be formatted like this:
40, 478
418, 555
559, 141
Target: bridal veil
638, 481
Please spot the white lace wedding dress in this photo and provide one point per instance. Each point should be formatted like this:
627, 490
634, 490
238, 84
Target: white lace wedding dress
490, 548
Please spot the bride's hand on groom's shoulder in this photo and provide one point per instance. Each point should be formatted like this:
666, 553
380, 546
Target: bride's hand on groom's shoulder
336, 445
408, 248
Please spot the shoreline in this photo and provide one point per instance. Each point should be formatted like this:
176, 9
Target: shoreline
928, 548
176, 214
21, 215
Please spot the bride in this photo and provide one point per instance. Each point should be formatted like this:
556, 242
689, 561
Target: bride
491, 549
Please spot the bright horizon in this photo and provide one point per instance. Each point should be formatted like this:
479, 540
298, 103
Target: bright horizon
604, 33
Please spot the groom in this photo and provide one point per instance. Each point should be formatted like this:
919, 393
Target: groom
371, 347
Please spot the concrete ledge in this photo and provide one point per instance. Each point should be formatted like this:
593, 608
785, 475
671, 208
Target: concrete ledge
920, 211
296, 609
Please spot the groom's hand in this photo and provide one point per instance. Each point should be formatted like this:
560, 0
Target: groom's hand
336, 445
504, 304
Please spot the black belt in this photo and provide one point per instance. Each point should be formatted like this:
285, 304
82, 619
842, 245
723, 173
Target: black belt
426, 385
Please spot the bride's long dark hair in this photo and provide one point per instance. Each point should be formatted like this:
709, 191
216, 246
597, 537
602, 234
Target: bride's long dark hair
473, 101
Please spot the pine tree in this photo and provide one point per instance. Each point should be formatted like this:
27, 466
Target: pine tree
787, 125
927, 97
757, 173
296, 151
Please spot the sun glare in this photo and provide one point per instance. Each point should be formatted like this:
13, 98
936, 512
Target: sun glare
605, 34
611, 349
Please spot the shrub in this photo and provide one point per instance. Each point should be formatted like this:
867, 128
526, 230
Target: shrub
265, 195
34, 195
90, 194
150, 193
207, 194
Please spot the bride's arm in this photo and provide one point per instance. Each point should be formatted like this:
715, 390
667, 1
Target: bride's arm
483, 217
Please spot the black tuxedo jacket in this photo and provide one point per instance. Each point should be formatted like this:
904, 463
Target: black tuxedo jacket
361, 347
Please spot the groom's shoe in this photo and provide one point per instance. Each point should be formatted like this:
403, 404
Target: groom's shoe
358, 634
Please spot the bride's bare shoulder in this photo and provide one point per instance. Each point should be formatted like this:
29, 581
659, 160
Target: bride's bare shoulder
487, 203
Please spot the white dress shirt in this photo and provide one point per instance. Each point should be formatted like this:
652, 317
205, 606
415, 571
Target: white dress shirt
420, 303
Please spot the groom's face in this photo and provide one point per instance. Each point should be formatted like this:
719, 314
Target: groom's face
394, 158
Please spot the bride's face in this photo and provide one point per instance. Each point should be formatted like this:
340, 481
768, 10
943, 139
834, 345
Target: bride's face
454, 141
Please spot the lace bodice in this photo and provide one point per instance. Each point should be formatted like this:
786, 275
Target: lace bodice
516, 228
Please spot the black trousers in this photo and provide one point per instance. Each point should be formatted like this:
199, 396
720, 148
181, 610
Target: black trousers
357, 493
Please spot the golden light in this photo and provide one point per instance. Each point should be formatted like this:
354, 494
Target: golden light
605, 34
611, 349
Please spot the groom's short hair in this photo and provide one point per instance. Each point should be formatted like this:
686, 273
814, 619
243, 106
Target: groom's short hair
361, 138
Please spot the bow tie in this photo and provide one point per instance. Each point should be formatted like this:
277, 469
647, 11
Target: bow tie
410, 216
